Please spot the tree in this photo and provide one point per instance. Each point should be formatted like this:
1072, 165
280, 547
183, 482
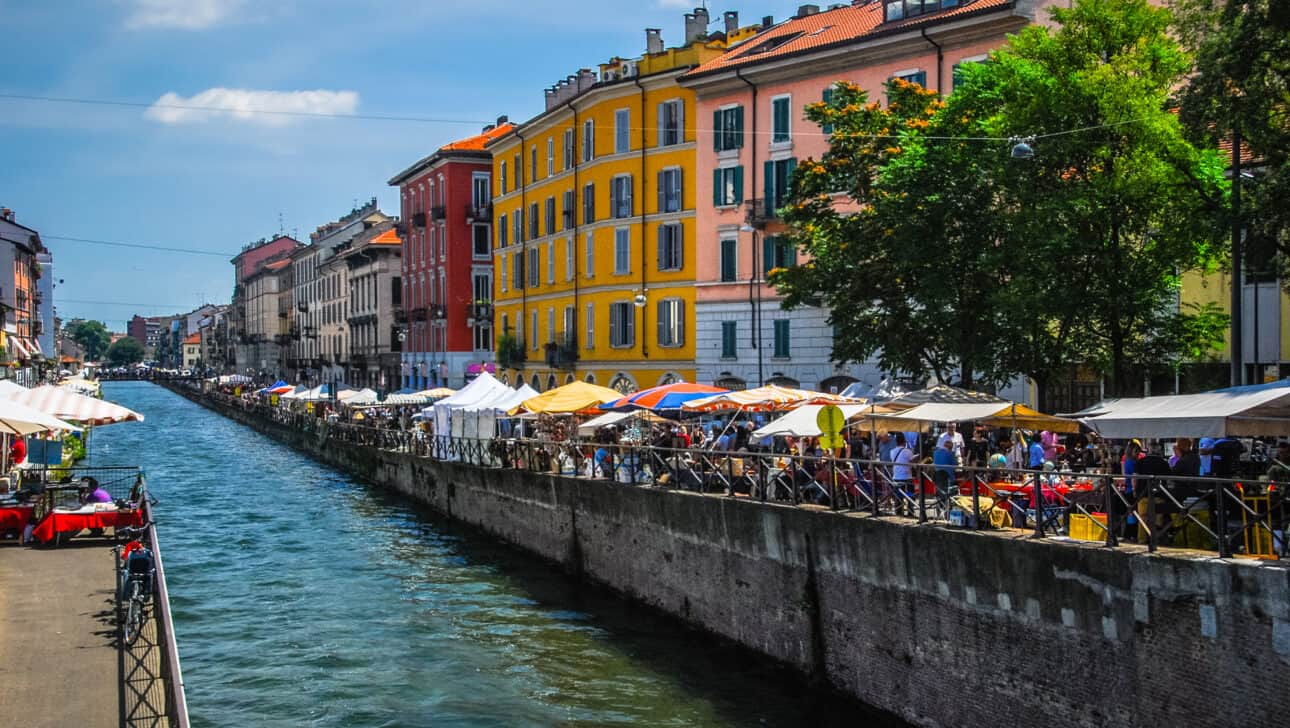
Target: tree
125, 350
956, 255
1241, 85
93, 337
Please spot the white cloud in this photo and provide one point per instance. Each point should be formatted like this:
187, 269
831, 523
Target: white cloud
267, 108
183, 14
682, 4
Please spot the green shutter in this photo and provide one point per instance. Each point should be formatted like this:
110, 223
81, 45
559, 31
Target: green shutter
729, 339
739, 185
790, 254
739, 126
768, 184
768, 244
716, 130
716, 188
828, 99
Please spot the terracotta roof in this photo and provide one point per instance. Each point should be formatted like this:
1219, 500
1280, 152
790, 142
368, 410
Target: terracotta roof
277, 265
389, 237
477, 142
831, 27
1247, 156
194, 340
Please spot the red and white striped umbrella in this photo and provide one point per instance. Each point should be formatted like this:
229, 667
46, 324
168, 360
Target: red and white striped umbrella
68, 405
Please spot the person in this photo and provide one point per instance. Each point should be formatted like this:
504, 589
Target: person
17, 452
94, 493
1206, 452
945, 461
1279, 468
978, 449
954, 438
886, 446
1035, 454
902, 475
1187, 461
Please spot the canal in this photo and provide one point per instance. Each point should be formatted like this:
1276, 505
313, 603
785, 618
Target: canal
302, 597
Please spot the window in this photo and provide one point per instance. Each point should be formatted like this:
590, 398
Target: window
483, 336
671, 322
550, 262
550, 324
589, 256
670, 249
781, 339
533, 333
729, 339
504, 176
670, 123
669, 190
918, 77
568, 336
517, 226
778, 175
622, 131
550, 216
519, 172
620, 197
482, 286
533, 168
729, 259
588, 204
535, 267
900, 9
777, 252
827, 98
781, 119
481, 192
622, 325
728, 128
533, 220
517, 271
728, 186
568, 259
550, 156
567, 212
570, 154
482, 248
591, 326
588, 140
622, 251
502, 231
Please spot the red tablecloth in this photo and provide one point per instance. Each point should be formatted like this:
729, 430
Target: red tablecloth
57, 522
15, 517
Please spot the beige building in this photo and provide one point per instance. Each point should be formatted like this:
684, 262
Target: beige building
375, 300
268, 317
192, 351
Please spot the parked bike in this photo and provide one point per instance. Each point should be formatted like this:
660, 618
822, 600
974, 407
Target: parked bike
136, 575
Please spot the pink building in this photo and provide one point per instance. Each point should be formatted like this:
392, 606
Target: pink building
754, 131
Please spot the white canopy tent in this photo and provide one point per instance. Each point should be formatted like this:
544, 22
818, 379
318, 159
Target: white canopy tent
1261, 409
1002, 414
479, 420
801, 422
484, 390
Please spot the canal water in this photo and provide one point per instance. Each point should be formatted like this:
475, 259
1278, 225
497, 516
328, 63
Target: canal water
304, 598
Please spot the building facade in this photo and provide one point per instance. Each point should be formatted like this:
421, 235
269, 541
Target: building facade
594, 220
375, 306
192, 351
268, 319
20, 300
246, 347
447, 261
45, 313
752, 101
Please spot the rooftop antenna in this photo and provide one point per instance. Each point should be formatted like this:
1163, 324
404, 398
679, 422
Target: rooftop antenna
280, 228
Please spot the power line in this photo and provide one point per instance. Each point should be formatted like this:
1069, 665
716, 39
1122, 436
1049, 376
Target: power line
226, 109
141, 246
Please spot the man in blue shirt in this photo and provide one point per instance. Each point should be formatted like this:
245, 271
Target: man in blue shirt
1036, 453
945, 461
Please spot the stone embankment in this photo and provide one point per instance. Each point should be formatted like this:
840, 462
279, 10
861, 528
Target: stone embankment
943, 627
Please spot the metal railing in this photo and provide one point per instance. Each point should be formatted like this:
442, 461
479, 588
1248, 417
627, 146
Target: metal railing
176, 702
1159, 511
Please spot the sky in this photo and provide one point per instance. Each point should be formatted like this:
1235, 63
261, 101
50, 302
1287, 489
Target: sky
136, 169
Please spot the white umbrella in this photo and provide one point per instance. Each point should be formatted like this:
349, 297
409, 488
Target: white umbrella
19, 419
69, 405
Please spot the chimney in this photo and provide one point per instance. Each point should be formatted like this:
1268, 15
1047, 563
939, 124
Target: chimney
6, 214
503, 119
732, 21
767, 21
807, 10
696, 25
653, 40
586, 79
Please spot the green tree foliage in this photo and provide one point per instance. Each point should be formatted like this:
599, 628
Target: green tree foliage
93, 337
126, 350
1242, 83
955, 256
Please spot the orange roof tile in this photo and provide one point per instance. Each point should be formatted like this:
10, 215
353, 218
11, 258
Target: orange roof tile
389, 237
277, 265
194, 340
831, 27
477, 142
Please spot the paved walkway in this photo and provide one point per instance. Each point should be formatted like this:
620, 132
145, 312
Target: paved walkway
58, 656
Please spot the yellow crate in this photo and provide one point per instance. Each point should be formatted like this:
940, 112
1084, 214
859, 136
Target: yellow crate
1084, 528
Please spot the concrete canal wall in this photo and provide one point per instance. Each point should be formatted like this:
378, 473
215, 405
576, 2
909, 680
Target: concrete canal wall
943, 627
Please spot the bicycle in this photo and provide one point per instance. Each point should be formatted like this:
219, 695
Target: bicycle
136, 574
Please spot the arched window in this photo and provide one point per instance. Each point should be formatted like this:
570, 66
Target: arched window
670, 378
623, 382
536, 383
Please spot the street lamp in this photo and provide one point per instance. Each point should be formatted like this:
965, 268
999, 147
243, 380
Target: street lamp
754, 301
1021, 148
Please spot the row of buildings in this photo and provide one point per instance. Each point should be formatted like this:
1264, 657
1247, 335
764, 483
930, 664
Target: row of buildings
27, 320
623, 235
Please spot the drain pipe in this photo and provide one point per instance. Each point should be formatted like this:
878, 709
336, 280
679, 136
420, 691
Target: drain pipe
940, 60
754, 287
644, 228
573, 241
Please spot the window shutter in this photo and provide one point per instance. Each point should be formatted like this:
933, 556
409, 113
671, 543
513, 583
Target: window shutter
768, 252
613, 209
678, 188
662, 191
662, 247
828, 99
631, 183
662, 134
717, 131
739, 185
790, 255
629, 315
661, 315
680, 323
768, 183
680, 122
717, 191
614, 322
739, 126
680, 246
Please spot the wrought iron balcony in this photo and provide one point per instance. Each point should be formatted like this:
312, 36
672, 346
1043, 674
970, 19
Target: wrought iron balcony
481, 312
510, 352
562, 353
438, 212
438, 313
761, 211
418, 219
479, 213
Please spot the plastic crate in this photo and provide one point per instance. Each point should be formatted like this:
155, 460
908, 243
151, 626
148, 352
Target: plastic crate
1086, 528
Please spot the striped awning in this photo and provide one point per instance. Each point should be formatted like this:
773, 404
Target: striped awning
65, 404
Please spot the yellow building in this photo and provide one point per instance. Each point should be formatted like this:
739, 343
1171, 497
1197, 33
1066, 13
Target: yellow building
593, 212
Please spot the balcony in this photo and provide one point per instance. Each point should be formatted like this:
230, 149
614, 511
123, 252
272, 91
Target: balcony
479, 213
418, 219
437, 312
438, 213
762, 211
562, 353
479, 312
510, 351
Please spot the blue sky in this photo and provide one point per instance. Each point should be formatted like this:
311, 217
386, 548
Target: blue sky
216, 181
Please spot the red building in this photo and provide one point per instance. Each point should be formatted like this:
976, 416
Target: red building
447, 262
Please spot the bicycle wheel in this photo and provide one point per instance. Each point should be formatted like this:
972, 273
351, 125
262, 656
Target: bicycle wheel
134, 614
